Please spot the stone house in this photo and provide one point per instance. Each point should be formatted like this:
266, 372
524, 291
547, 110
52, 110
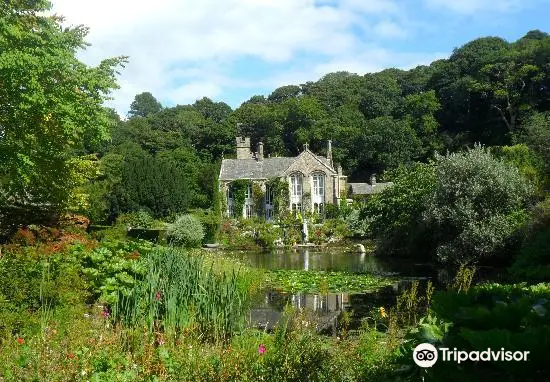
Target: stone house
365, 189
313, 180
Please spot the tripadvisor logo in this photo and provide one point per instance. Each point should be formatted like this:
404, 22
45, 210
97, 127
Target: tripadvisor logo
426, 355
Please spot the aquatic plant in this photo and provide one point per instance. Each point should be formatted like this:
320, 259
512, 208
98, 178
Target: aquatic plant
179, 292
327, 281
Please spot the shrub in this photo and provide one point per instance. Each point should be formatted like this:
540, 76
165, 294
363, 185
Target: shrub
186, 231
24, 236
493, 316
478, 205
394, 217
210, 221
533, 261
139, 219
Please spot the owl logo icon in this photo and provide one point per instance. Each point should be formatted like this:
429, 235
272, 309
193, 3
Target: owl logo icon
425, 355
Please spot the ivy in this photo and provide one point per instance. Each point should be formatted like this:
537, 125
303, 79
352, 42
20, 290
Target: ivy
238, 189
258, 195
281, 194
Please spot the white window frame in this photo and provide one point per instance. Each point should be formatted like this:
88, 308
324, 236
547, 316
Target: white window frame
296, 188
318, 181
248, 202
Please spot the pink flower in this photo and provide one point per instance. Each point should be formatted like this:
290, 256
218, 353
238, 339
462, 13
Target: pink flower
261, 349
158, 296
105, 314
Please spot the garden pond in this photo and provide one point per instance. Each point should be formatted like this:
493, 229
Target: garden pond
328, 282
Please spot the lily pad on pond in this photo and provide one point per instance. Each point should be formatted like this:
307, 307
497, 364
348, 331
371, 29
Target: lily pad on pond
323, 281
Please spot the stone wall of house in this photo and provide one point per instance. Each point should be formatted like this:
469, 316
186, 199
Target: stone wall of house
307, 165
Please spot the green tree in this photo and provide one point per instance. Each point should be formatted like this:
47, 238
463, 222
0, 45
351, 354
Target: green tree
536, 135
284, 92
386, 143
394, 217
381, 95
478, 205
420, 111
49, 103
144, 104
215, 111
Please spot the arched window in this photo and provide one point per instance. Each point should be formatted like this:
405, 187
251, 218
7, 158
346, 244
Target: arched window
296, 187
318, 192
248, 202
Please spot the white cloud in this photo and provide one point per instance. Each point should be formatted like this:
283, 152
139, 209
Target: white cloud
376, 59
181, 50
189, 92
389, 29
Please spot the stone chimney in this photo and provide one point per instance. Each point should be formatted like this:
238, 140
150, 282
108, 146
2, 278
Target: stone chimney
329, 153
373, 179
339, 170
243, 148
260, 151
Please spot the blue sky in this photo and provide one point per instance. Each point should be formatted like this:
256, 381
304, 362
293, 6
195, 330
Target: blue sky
230, 50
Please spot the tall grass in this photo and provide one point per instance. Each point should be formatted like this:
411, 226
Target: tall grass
180, 293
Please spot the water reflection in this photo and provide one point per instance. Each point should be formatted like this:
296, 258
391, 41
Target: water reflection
331, 260
267, 309
323, 308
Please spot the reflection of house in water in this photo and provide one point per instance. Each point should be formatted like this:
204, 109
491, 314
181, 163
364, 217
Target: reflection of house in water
320, 303
326, 308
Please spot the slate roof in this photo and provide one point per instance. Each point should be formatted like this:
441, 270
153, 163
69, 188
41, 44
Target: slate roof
254, 169
367, 188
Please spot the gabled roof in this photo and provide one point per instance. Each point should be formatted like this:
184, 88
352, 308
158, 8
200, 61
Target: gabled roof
367, 188
254, 169
322, 160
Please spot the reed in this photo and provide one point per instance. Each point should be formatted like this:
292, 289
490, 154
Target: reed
180, 294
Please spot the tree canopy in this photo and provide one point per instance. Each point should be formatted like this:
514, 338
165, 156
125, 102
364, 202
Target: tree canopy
51, 105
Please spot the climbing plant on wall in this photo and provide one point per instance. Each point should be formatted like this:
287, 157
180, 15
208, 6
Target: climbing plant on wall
238, 189
281, 194
258, 195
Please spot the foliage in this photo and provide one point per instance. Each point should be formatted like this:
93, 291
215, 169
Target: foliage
281, 193
113, 269
51, 108
322, 281
527, 161
249, 234
359, 227
210, 220
395, 215
513, 317
258, 197
139, 219
535, 133
178, 293
186, 231
532, 262
477, 207
144, 104
238, 190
